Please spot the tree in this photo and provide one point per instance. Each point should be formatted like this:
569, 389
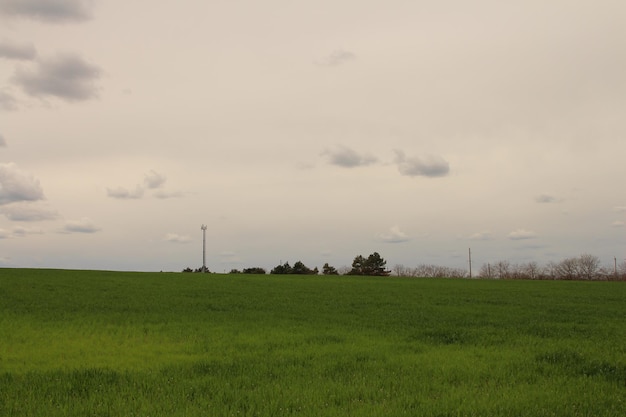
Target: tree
281, 269
588, 266
254, 270
486, 271
358, 266
621, 271
567, 269
503, 269
401, 271
374, 265
329, 270
531, 270
301, 269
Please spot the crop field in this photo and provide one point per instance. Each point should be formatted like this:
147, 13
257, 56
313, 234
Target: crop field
95, 343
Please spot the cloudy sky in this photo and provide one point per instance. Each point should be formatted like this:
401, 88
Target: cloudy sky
310, 130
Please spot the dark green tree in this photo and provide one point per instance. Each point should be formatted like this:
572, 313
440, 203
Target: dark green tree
372, 265
301, 269
254, 270
376, 265
329, 270
358, 266
282, 269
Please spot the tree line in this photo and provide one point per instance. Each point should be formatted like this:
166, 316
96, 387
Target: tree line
583, 267
373, 265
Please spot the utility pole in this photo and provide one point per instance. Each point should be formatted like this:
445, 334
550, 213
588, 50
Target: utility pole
470, 262
203, 228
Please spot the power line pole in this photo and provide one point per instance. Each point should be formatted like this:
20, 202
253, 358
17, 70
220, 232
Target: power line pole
470, 261
203, 228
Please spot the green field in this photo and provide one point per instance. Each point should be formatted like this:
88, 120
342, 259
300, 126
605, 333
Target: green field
90, 343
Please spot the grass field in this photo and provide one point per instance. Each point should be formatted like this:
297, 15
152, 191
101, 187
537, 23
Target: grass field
91, 343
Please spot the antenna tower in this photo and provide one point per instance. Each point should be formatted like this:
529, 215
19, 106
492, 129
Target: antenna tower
203, 228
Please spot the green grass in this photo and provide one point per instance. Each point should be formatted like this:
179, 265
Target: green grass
93, 343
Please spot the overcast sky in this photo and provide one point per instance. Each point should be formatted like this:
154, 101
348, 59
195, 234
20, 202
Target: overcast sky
310, 130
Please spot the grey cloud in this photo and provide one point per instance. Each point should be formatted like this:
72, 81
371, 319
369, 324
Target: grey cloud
522, 234
2, 141
23, 231
4, 234
7, 101
19, 51
617, 223
348, 158
154, 180
619, 209
337, 57
545, 198
26, 212
16, 185
162, 195
68, 77
426, 166
84, 225
122, 193
51, 11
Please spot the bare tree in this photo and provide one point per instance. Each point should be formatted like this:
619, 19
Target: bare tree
621, 270
531, 270
568, 269
344, 270
588, 266
502, 269
485, 271
551, 270
401, 271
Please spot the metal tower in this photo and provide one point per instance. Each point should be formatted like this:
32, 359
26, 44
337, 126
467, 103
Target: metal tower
203, 228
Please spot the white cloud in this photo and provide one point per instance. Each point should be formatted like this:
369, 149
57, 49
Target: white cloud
617, 223
26, 212
484, 235
154, 180
394, 235
19, 51
176, 238
425, 166
65, 76
348, 158
619, 209
522, 234
84, 225
51, 11
122, 193
16, 185
4, 234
